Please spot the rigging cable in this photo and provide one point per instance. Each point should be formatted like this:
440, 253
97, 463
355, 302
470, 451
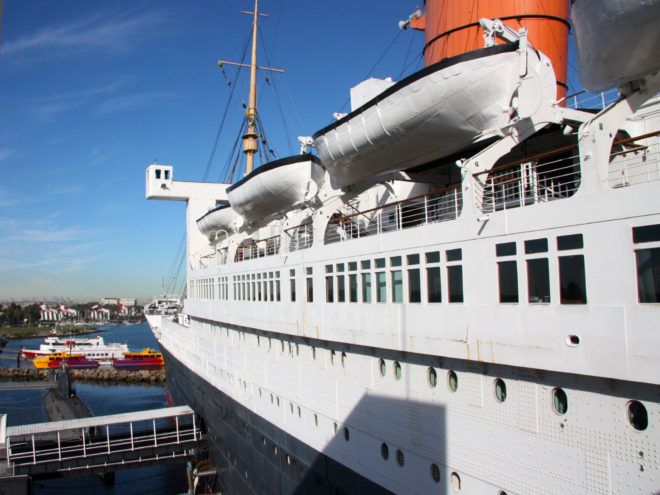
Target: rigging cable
375, 65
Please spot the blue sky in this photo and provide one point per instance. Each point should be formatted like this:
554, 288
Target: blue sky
92, 92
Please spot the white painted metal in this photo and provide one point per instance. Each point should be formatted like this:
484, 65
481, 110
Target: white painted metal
312, 368
277, 189
616, 41
218, 222
435, 116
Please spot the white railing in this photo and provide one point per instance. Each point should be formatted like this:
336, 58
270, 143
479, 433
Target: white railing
526, 183
593, 101
437, 206
634, 164
301, 236
258, 248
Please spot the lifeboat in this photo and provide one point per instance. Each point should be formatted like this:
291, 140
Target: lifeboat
144, 358
437, 111
616, 41
55, 359
222, 218
276, 187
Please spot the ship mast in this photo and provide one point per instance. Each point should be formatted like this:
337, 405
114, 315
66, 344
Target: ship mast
250, 143
250, 139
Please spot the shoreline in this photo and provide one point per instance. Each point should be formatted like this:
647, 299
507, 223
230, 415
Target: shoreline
18, 333
100, 376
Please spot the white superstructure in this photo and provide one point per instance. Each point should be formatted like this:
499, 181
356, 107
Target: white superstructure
483, 323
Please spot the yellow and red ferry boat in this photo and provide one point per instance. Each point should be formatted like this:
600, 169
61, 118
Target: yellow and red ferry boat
55, 359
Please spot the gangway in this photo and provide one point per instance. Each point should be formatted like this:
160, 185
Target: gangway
99, 444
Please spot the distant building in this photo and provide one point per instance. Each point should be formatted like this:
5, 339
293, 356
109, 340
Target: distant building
120, 301
57, 313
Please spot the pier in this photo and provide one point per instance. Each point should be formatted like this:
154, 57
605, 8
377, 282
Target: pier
96, 445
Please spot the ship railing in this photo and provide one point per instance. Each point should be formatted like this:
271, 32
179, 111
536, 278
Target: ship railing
257, 248
440, 205
300, 236
557, 175
584, 100
634, 164
525, 183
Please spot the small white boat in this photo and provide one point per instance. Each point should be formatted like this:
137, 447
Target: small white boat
221, 219
276, 186
434, 112
616, 41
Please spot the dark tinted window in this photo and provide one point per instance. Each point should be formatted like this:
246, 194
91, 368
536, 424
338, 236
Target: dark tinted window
648, 233
455, 276
454, 255
508, 276
538, 281
565, 242
573, 287
648, 275
536, 246
505, 249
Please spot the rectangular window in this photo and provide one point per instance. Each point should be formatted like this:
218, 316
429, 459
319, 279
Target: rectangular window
271, 290
505, 249
395, 261
648, 275
508, 276
413, 259
352, 266
380, 263
278, 296
455, 281
538, 281
454, 255
365, 265
329, 289
433, 284
352, 287
414, 286
572, 285
341, 291
433, 257
310, 284
366, 287
536, 246
340, 267
292, 286
397, 286
565, 242
647, 233
381, 287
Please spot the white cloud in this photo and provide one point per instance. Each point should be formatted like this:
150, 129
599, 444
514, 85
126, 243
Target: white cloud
107, 33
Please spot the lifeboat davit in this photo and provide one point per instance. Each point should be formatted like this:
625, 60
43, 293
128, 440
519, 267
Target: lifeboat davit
276, 186
437, 111
616, 41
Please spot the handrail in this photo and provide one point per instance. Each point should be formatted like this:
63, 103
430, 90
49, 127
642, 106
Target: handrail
394, 203
559, 151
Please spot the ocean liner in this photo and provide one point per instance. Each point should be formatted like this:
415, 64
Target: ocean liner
454, 287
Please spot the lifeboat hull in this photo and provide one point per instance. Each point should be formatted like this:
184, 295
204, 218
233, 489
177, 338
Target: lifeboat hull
432, 113
616, 41
276, 187
216, 221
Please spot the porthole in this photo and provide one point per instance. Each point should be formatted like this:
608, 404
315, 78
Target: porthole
291, 407
332, 358
316, 420
382, 367
397, 370
500, 390
343, 360
263, 441
294, 463
259, 391
271, 398
282, 345
347, 434
637, 415
455, 482
288, 459
384, 451
297, 350
452, 381
313, 352
275, 450
501, 492
278, 401
336, 428
432, 377
559, 401
399, 457
435, 472
299, 413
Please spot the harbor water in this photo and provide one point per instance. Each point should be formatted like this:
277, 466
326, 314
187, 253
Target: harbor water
27, 406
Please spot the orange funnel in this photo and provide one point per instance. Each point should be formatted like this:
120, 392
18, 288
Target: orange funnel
452, 28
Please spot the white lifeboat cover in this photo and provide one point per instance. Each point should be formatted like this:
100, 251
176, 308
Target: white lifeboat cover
616, 41
432, 113
216, 220
276, 187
